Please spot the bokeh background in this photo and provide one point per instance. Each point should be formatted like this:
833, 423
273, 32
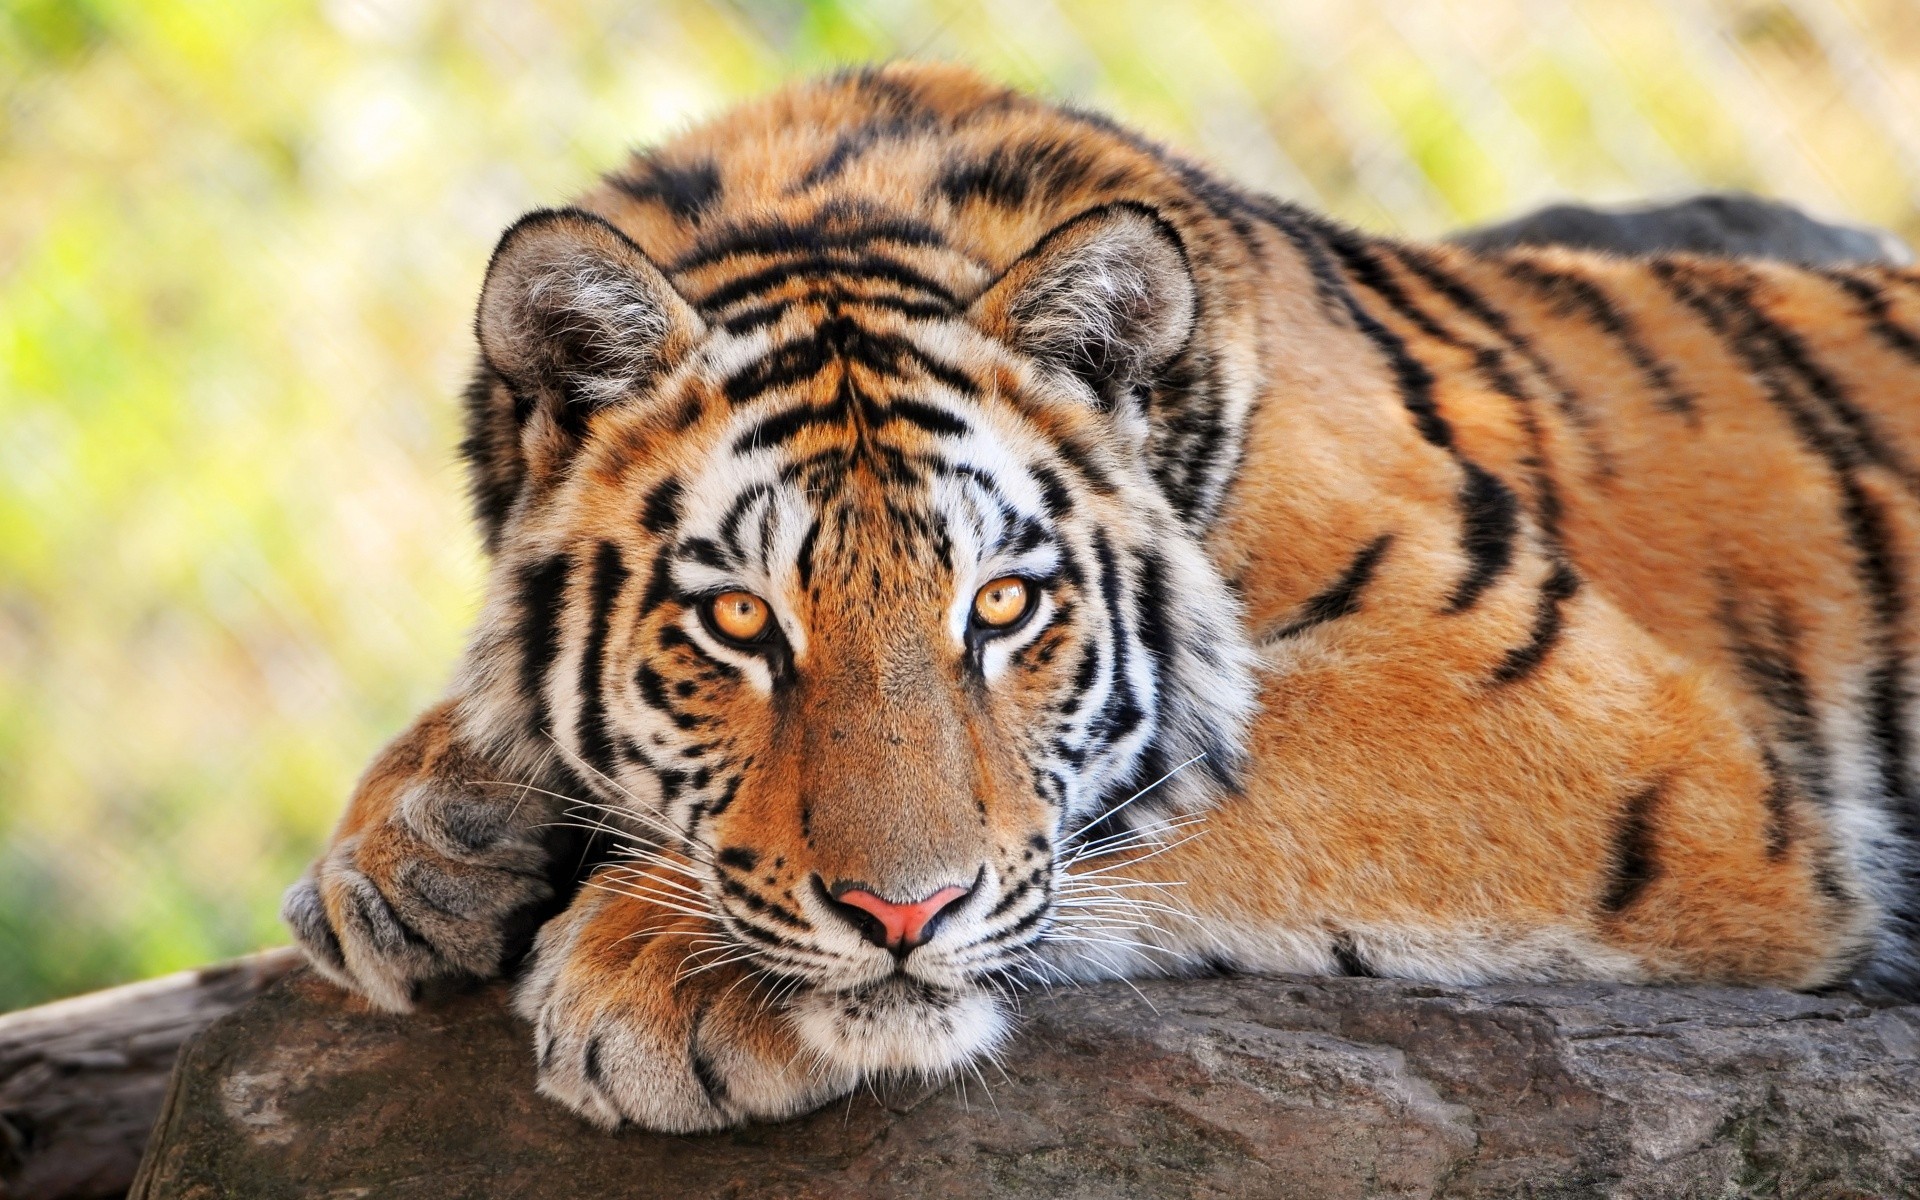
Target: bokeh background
240, 239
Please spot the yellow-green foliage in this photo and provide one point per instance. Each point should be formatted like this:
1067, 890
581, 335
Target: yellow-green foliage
239, 240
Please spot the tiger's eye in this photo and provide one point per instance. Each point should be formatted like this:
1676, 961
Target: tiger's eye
1001, 602
741, 616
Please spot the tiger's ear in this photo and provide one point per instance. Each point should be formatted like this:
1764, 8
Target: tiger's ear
573, 312
1108, 297
573, 319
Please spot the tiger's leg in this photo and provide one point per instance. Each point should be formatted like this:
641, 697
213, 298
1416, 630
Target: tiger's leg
645, 1013
436, 870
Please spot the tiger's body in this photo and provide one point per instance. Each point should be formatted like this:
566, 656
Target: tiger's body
1397, 610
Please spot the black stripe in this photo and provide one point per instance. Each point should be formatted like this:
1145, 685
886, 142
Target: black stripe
1467, 300
765, 937
866, 268
1490, 362
1348, 958
783, 426
803, 560
1341, 598
736, 513
672, 637
653, 692
1766, 646
1490, 509
756, 318
686, 191
1033, 918
1121, 714
1414, 380
945, 373
1357, 255
1878, 310
1634, 865
1053, 492
1330, 288
492, 452
1199, 445
382, 920
1777, 799
815, 239
1028, 534
1076, 455
750, 319
661, 510
1886, 682
704, 551
783, 366
1522, 661
1013, 895
703, 1067
659, 588
1489, 522
728, 792
843, 338
610, 574
543, 595
1777, 354
1152, 611
850, 146
1571, 294
1008, 175
934, 420
590, 1065
761, 906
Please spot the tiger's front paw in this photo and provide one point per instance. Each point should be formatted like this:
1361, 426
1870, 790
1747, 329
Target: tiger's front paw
435, 872
646, 1016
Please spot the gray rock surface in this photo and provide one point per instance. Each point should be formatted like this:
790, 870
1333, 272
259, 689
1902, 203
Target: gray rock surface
1730, 223
81, 1079
1240, 1087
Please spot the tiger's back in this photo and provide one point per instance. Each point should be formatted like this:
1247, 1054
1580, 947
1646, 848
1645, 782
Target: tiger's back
1722, 451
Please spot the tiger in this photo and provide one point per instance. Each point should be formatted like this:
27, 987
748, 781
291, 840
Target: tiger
943, 543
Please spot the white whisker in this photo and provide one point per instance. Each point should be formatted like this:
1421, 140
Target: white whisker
1120, 807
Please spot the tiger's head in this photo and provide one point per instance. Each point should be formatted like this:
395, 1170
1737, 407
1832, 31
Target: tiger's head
852, 590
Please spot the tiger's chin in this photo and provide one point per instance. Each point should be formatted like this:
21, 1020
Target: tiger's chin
900, 1025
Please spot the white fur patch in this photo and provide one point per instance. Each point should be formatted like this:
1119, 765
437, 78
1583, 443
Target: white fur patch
897, 1026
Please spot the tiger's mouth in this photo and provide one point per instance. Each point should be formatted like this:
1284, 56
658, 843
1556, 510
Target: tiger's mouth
901, 1024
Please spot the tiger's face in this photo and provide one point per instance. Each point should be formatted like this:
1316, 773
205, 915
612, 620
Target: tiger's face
860, 614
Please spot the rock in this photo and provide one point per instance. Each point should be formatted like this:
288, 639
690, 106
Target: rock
1731, 224
1219, 1087
81, 1080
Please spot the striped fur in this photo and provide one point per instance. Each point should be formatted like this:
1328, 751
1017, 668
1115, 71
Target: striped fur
1402, 610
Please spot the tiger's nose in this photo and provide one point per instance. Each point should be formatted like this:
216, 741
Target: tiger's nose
891, 926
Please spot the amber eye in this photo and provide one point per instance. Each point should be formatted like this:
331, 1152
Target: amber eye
740, 616
1002, 602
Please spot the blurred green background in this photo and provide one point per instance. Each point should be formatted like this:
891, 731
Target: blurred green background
240, 239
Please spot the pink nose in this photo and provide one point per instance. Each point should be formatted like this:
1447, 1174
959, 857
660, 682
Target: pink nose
891, 926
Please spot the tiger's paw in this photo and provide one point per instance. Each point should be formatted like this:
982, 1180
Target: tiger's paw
434, 873
646, 1017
